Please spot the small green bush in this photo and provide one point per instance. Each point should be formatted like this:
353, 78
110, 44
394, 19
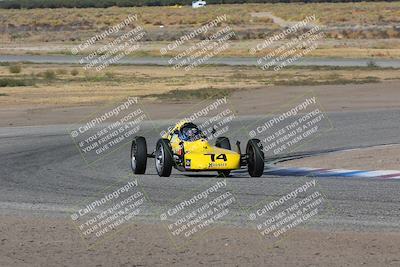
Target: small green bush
49, 75
15, 68
204, 93
109, 75
61, 71
7, 82
74, 72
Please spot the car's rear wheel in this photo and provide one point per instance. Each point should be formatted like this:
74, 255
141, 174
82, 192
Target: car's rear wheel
223, 142
139, 155
163, 158
255, 158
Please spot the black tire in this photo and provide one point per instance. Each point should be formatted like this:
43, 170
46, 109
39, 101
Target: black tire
223, 142
255, 158
163, 158
139, 155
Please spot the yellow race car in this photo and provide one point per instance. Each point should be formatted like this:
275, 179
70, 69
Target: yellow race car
185, 147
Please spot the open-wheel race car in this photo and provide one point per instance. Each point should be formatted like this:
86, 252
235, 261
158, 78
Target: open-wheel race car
186, 148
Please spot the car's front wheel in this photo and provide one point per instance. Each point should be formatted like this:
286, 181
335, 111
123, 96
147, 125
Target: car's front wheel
255, 158
163, 158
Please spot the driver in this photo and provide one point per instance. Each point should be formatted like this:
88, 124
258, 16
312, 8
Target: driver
190, 132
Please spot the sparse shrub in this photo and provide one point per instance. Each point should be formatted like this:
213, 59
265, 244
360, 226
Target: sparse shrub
204, 93
48, 74
74, 72
61, 71
6, 82
263, 20
15, 68
109, 75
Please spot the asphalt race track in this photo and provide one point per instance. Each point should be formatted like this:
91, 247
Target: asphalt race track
42, 172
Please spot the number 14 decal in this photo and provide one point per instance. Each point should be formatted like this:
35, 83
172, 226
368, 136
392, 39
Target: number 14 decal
220, 156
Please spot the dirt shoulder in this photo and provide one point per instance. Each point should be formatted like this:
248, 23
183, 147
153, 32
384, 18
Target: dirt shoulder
66, 85
28, 241
333, 98
373, 158
262, 101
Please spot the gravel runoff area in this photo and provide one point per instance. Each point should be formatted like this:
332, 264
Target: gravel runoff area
385, 157
30, 241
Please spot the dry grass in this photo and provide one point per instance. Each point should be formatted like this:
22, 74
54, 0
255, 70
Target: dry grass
74, 25
55, 31
365, 13
92, 88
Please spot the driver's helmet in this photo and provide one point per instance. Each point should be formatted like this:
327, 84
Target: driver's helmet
190, 132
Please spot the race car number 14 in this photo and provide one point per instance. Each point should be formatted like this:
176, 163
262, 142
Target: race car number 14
220, 156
